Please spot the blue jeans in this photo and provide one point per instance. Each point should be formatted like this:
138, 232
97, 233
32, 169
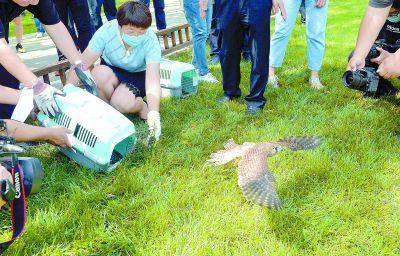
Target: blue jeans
39, 26
95, 11
200, 29
315, 32
159, 7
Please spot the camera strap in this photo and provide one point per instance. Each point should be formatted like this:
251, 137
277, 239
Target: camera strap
18, 208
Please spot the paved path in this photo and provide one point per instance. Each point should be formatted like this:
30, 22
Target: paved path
42, 52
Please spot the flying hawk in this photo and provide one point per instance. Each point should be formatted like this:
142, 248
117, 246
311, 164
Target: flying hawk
254, 177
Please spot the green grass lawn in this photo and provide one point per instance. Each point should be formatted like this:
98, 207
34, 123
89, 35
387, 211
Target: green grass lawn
341, 199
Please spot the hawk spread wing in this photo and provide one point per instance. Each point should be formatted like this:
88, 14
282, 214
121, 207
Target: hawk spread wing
254, 177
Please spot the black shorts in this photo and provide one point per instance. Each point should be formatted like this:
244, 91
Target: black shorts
136, 82
7, 80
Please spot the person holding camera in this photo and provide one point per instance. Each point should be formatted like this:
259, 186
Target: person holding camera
376, 16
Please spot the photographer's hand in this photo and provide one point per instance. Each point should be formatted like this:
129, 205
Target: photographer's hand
58, 136
390, 67
356, 63
384, 54
4, 175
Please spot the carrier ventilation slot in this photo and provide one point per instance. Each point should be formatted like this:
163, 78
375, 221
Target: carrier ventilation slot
84, 135
187, 82
165, 74
63, 120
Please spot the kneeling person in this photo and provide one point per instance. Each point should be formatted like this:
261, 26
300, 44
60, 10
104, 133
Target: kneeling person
130, 62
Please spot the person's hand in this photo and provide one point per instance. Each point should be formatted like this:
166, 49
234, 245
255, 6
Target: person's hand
356, 63
57, 136
384, 54
4, 176
202, 8
154, 125
43, 95
390, 67
25, 3
320, 3
277, 5
86, 78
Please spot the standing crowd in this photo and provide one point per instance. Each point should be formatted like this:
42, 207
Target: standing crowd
129, 52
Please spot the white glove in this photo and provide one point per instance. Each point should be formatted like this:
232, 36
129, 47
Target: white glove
44, 94
86, 78
154, 124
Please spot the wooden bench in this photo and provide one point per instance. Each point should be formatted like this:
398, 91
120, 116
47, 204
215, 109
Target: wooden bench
178, 36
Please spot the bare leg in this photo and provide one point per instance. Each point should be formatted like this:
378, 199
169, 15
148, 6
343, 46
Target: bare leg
126, 102
19, 31
314, 74
271, 71
106, 81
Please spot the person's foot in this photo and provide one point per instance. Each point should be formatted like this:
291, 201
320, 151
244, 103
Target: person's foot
273, 81
315, 83
208, 78
39, 35
224, 99
20, 48
252, 111
214, 60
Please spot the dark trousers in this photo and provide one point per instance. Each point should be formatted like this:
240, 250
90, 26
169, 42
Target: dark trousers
80, 15
234, 17
215, 39
7, 80
159, 7
110, 10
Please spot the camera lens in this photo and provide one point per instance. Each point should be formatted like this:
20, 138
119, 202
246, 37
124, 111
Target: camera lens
354, 79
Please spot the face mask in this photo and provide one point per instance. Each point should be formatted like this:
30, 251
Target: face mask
133, 40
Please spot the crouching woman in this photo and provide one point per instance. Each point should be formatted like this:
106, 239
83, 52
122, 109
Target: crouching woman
130, 61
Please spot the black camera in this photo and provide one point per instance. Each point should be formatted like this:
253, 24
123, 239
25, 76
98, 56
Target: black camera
30, 168
367, 79
25, 178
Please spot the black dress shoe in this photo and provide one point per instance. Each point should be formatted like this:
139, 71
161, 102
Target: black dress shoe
252, 111
224, 99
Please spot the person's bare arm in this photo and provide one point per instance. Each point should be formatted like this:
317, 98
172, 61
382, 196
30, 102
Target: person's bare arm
13, 64
89, 57
153, 89
372, 23
63, 40
23, 132
8, 95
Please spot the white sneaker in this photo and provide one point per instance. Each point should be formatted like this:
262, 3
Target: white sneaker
315, 83
273, 81
39, 35
208, 78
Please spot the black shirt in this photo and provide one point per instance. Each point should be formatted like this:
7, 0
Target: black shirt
45, 11
391, 30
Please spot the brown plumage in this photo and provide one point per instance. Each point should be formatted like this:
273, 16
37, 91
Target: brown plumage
254, 177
